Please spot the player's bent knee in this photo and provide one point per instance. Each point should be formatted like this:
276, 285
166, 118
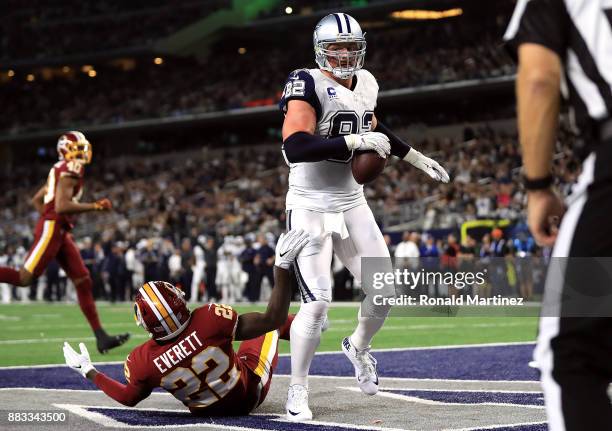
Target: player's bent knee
25, 278
310, 319
79, 280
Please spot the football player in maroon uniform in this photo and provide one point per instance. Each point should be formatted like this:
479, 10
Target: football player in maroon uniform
58, 203
191, 355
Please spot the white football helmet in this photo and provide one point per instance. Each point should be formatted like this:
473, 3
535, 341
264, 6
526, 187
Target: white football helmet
339, 28
74, 145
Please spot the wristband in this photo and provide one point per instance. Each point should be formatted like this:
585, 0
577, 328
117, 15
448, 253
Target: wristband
538, 183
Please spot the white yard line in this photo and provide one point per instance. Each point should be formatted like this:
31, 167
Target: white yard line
496, 426
427, 402
106, 421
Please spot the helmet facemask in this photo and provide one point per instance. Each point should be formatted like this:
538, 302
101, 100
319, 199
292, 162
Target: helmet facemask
342, 63
73, 146
78, 151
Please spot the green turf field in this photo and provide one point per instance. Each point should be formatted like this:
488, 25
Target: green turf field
34, 333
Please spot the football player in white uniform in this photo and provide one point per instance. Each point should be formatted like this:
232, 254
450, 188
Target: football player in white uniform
329, 114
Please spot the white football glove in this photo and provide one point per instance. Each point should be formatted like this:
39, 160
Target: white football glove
369, 141
289, 246
427, 165
79, 362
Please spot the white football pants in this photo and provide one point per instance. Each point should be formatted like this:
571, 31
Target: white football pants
362, 238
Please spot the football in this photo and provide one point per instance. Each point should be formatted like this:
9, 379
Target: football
367, 166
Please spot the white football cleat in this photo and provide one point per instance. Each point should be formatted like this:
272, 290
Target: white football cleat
297, 404
534, 364
365, 366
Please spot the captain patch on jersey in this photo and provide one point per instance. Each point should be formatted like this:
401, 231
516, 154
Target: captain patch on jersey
329, 185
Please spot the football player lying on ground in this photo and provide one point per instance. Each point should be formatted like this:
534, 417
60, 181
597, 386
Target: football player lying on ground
190, 354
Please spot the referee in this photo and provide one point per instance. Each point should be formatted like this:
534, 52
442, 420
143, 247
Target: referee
565, 47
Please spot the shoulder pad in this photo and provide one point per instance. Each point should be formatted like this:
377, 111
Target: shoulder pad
300, 85
367, 76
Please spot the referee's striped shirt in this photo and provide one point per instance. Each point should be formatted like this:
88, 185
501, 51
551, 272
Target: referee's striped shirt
580, 32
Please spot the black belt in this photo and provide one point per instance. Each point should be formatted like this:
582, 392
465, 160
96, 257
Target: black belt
605, 130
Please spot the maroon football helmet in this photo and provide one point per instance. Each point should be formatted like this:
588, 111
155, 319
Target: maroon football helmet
160, 308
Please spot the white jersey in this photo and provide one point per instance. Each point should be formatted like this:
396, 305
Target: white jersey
329, 186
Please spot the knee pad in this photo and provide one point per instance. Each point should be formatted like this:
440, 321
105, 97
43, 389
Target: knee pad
369, 310
310, 318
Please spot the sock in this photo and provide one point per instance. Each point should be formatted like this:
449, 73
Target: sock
368, 326
10, 276
285, 330
86, 301
305, 336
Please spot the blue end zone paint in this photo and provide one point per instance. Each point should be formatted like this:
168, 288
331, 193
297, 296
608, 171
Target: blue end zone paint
264, 422
465, 397
55, 377
467, 363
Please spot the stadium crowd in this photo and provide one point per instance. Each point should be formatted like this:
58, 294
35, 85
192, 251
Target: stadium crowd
235, 269
398, 58
43, 29
227, 199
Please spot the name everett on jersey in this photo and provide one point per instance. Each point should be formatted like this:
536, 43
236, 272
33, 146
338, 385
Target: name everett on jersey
177, 353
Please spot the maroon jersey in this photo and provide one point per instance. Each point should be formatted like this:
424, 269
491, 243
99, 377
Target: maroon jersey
61, 169
199, 367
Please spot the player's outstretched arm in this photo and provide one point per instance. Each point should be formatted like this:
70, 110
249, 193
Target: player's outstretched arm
128, 395
252, 325
65, 205
401, 149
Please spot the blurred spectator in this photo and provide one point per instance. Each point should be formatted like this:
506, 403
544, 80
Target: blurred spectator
150, 259
187, 263
198, 268
210, 257
249, 260
407, 251
265, 260
131, 269
175, 267
55, 290
343, 281
5, 289
114, 272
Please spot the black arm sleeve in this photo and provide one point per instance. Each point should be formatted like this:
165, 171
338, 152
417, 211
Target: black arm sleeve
398, 147
304, 147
